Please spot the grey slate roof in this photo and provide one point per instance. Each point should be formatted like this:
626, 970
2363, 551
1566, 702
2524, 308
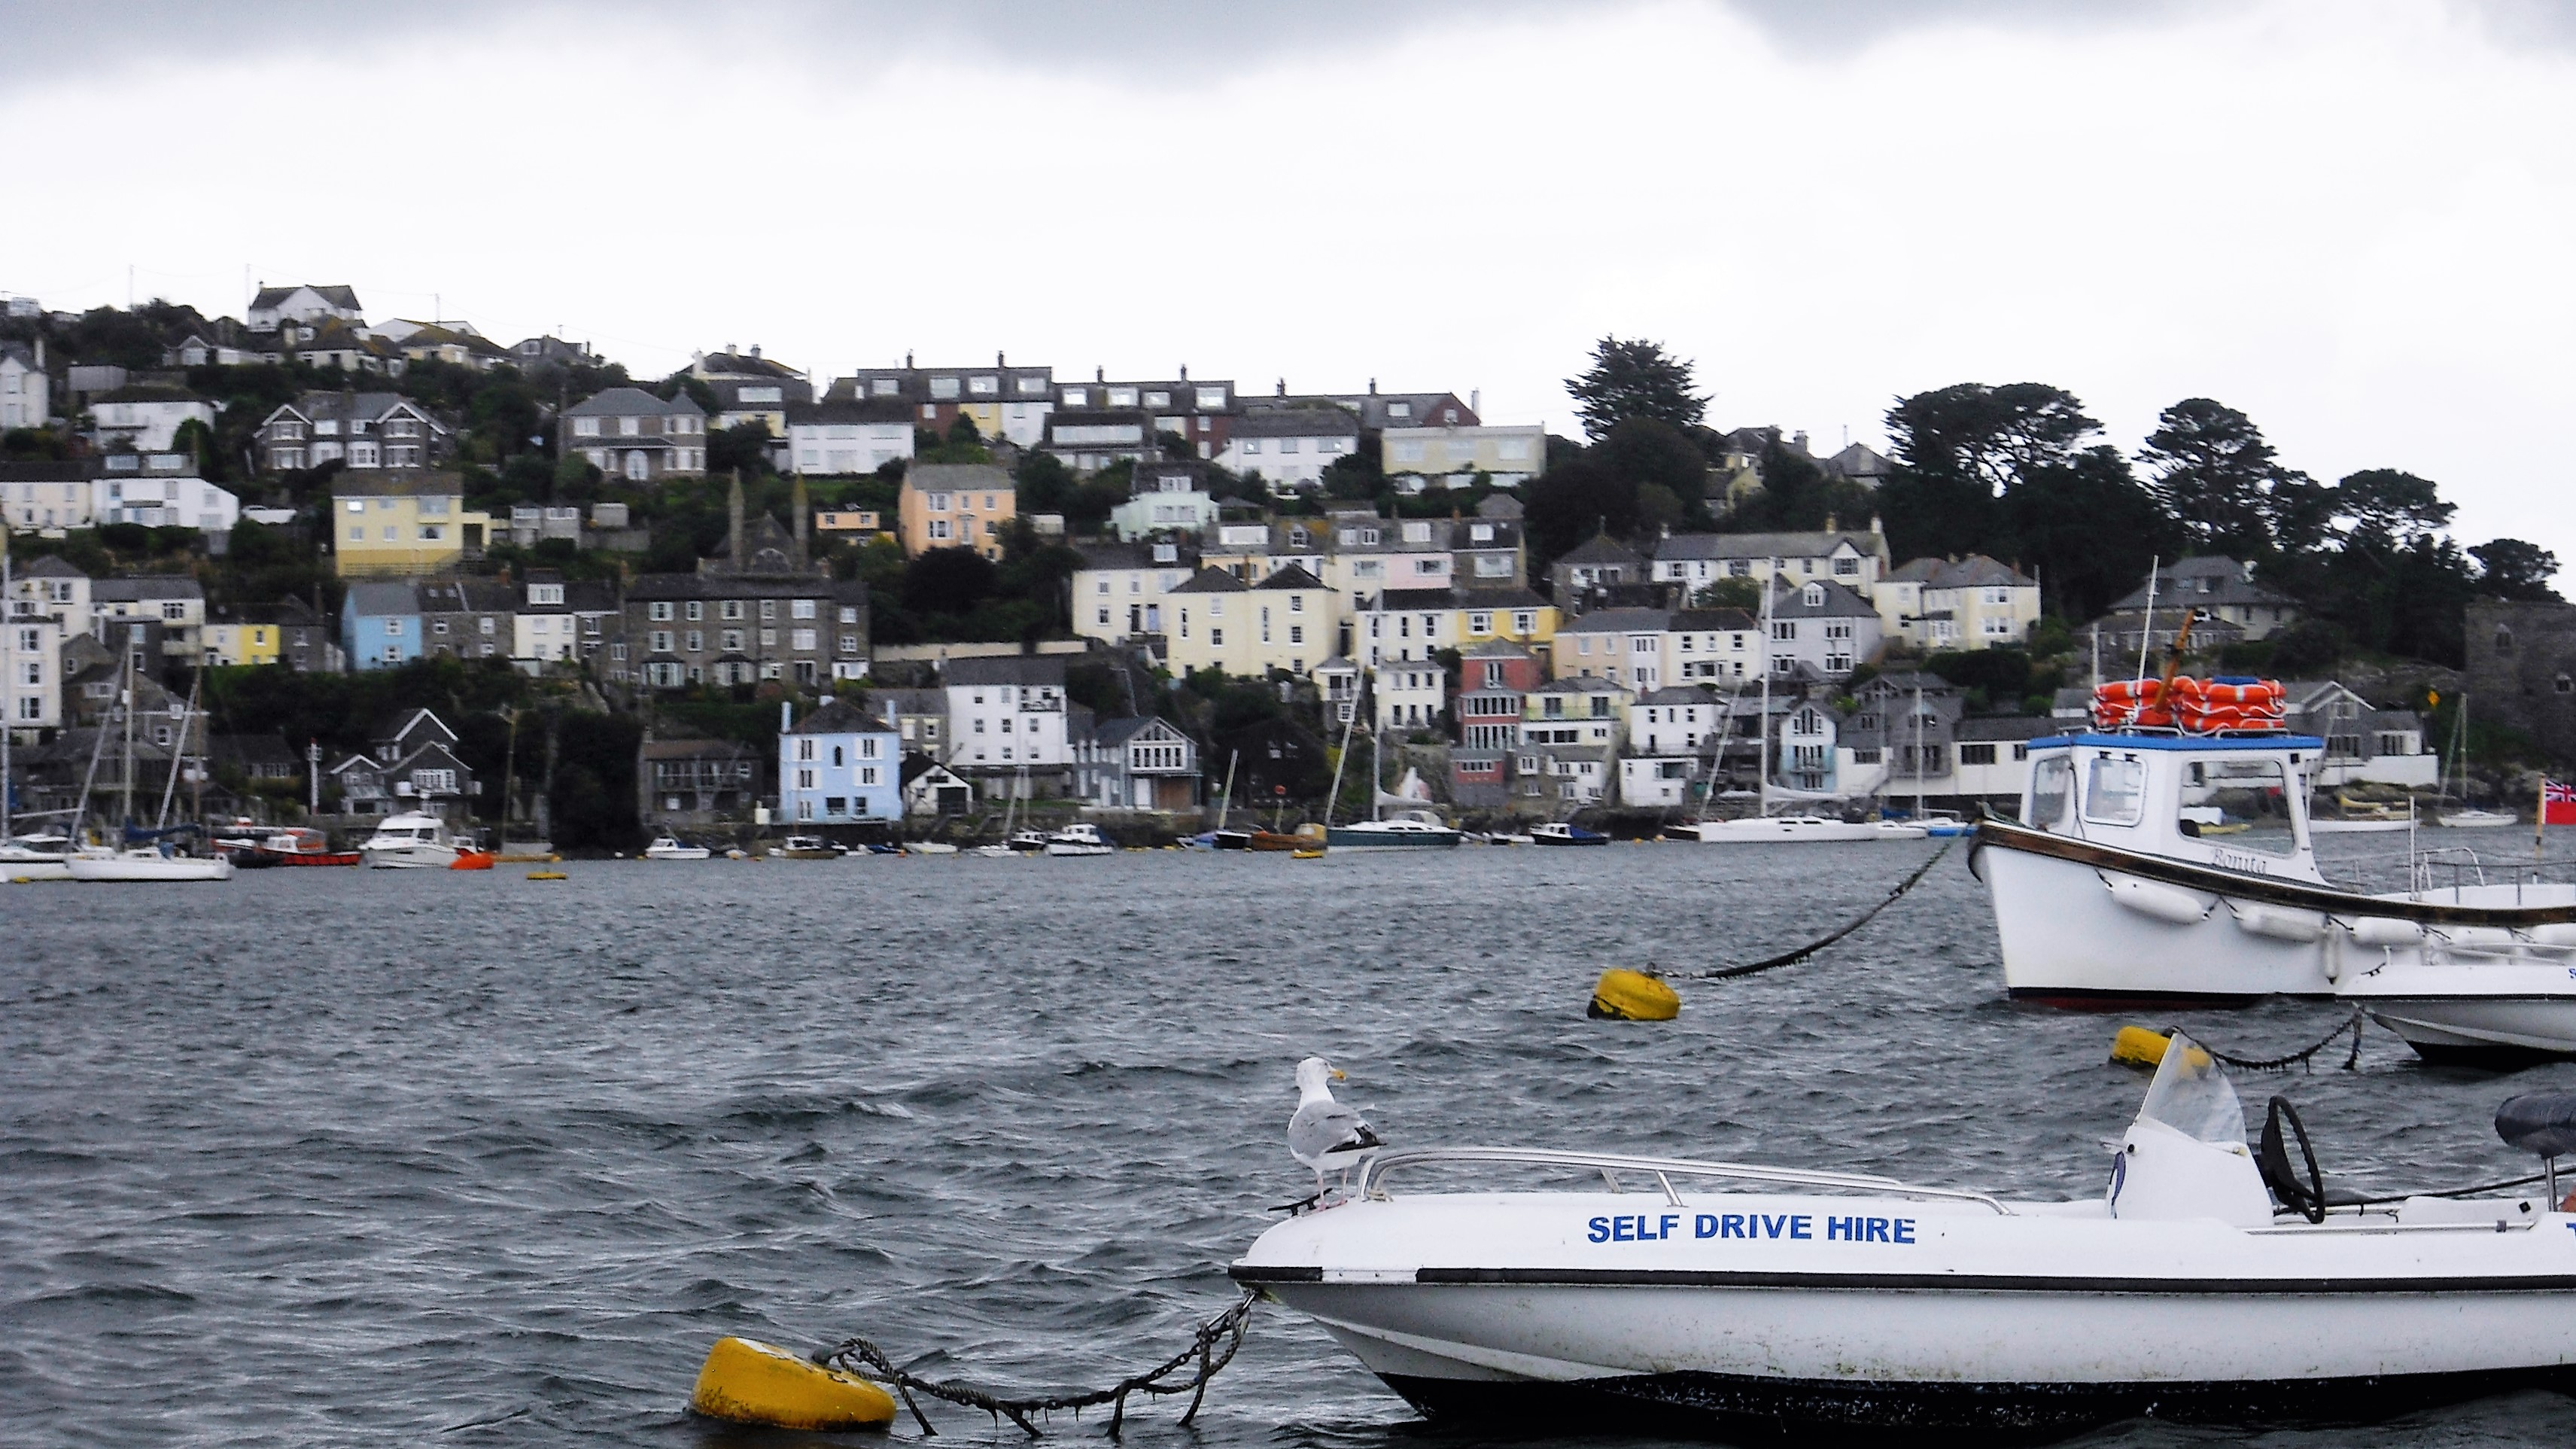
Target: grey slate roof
1619, 621
1789, 601
1600, 549
1032, 669
1976, 571
1296, 423
1213, 581
1292, 576
149, 586
840, 717
1684, 546
375, 599
2182, 582
620, 402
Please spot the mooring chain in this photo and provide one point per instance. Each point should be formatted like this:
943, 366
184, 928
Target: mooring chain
2352, 1023
1791, 958
1210, 1350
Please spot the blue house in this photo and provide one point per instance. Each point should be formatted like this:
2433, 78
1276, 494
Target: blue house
380, 625
841, 766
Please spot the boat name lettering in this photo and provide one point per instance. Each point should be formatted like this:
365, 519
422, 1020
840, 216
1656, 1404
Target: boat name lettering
1633, 1229
2239, 860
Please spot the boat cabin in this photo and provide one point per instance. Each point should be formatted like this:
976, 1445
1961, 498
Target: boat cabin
2232, 802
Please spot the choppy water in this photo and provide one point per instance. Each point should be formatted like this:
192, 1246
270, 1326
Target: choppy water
352, 1157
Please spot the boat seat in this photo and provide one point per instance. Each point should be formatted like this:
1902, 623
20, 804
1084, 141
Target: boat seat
2540, 1123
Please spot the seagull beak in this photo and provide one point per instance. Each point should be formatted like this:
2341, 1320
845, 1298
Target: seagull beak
1340, 1076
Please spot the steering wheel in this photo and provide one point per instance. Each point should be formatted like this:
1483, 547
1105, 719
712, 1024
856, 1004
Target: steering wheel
2306, 1197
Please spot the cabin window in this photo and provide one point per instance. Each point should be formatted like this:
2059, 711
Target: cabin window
2115, 791
2243, 804
2052, 794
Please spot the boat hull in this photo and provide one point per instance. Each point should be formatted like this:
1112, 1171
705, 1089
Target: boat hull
1060, 847
35, 867
2092, 926
1342, 837
136, 869
2030, 1324
1772, 830
420, 855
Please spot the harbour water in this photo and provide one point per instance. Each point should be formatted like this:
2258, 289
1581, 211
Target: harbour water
354, 1157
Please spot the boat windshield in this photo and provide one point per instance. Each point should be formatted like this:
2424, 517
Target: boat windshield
2052, 794
2192, 1095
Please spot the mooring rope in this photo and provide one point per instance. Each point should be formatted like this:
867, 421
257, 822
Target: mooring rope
1212, 1348
2352, 1023
1790, 958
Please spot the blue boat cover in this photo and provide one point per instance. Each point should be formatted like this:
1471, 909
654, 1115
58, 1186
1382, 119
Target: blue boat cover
2539, 1122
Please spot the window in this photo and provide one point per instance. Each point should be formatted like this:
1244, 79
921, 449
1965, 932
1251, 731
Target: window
585, 427
2115, 791
697, 641
1976, 754
697, 610
801, 609
849, 643
768, 609
661, 641
802, 639
729, 609
1846, 567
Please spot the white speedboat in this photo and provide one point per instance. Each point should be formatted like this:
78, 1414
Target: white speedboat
2363, 825
145, 864
1784, 1301
930, 847
1559, 832
1079, 838
36, 857
409, 841
2106, 893
1791, 829
1412, 830
670, 847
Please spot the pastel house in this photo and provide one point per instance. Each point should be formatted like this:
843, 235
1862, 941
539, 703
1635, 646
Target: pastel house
841, 765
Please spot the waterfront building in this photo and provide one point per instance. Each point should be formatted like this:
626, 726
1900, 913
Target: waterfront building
762, 610
1136, 763
838, 766
693, 783
1285, 622
1007, 725
1119, 591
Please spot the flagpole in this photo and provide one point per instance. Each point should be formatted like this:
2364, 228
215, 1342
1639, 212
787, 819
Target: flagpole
2540, 821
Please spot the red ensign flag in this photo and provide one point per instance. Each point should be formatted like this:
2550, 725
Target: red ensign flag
2558, 803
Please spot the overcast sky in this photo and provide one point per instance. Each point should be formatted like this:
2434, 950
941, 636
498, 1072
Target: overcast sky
2349, 218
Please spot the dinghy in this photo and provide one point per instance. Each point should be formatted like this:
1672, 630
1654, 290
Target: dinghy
1760, 1300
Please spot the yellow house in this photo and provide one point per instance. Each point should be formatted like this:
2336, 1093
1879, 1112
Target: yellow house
235, 642
402, 523
955, 505
1515, 616
1216, 621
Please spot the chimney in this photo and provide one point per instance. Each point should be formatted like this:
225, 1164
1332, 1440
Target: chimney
907, 361
40, 354
786, 715
1873, 524
1832, 525
755, 351
1476, 402
1372, 387
804, 519
998, 360
734, 543
1801, 441
1283, 387
730, 350
1099, 373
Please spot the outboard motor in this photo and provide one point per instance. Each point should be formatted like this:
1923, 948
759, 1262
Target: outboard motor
2543, 1123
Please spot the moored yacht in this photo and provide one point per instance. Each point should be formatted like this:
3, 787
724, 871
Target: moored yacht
36, 857
1412, 830
143, 864
410, 841
671, 847
2208, 1279
1079, 838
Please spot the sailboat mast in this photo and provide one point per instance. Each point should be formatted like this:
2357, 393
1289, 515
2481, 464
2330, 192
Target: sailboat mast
125, 782
1918, 749
1225, 802
8, 676
1344, 757
1762, 754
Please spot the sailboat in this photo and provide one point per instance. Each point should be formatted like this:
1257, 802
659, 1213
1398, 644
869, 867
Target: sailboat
157, 861
1767, 828
1414, 827
2467, 817
1009, 845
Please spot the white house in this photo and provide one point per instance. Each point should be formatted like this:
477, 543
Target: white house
274, 307
46, 498
146, 416
848, 437
1854, 560
31, 655
25, 391
1406, 624
838, 766
1290, 447
1006, 716
1165, 498
1673, 721
1655, 781
1822, 625
1119, 590
1410, 695
160, 490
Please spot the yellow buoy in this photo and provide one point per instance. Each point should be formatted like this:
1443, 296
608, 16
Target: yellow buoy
1624, 995
759, 1383
2136, 1046
547, 875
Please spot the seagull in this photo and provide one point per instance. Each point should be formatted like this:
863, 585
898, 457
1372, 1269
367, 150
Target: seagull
1322, 1126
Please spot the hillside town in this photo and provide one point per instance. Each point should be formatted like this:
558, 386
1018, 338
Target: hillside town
321, 568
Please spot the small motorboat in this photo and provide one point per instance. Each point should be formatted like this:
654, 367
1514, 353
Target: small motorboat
1079, 838
2476, 820
930, 847
299, 845
1559, 832
2208, 1280
36, 857
671, 847
1033, 842
410, 841
809, 847
473, 857
885, 847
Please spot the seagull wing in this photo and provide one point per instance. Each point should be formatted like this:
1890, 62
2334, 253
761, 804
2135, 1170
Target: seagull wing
1325, 1127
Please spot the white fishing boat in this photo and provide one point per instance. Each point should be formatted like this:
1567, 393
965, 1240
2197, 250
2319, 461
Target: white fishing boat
2106, 892
409, 841
671, 847
36, 857
1079, 838
808, 847
1783, 1302
2473, 819
929, 847
145, 864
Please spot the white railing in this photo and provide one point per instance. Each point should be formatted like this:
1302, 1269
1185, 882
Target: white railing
1377, 1167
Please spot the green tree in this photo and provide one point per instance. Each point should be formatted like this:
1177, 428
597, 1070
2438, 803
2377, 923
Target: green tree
1635, 379
2216, 475
2087, 528
2509, 568
1568, 504
1958, 448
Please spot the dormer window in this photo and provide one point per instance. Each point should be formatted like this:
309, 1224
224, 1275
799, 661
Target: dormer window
1815, 596
545, 593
